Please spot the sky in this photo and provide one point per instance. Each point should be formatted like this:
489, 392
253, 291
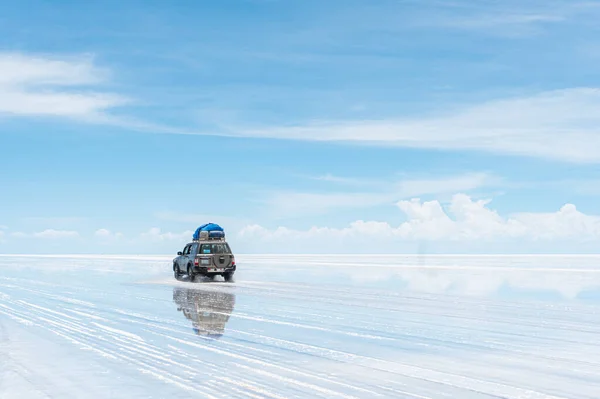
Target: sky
300, 126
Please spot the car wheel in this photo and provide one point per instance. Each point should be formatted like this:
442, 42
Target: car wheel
191, 274
176, 271
228, 277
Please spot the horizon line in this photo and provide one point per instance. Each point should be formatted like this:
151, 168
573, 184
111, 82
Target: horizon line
309, 254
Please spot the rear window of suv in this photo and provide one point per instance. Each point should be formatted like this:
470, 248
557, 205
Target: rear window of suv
219, 248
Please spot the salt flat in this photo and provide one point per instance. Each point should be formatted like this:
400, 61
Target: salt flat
301, 326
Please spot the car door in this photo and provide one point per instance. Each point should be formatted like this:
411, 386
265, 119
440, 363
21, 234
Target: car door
193, 252
178, 260
188, 255
183, 258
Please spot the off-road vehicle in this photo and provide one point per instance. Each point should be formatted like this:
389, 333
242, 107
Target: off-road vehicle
207, 255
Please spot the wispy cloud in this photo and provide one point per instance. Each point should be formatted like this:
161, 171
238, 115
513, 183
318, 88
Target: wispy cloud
49, 234
506, 18
561, 124
497, 22
582, 187
40, 85
343, 180
464, 183
54, 219
409, 186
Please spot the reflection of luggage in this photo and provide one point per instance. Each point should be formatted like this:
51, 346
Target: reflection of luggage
207, 231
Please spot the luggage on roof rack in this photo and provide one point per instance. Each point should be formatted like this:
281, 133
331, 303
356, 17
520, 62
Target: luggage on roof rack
209, 231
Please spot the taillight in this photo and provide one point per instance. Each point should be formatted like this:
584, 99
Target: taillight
233, 261
196, 262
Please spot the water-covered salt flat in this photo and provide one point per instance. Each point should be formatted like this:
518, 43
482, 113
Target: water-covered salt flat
302, 327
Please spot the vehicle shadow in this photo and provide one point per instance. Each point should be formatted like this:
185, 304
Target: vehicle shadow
209, 311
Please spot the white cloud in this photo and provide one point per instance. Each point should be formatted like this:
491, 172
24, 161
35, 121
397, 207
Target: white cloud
568, 222
297, 203
464, 220
561, 124
51, 233
45, 86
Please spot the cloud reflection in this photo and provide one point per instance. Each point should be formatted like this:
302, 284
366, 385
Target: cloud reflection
537, 277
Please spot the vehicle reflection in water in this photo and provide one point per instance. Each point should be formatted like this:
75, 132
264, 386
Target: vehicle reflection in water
208, 311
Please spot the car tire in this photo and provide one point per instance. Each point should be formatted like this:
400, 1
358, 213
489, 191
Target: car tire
228, 277
176, 271
191, 274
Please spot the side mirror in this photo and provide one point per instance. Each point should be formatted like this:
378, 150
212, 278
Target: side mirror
179, 253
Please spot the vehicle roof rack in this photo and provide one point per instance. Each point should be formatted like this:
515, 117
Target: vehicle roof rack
209, 239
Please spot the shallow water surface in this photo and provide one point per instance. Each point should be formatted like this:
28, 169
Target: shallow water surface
302, 327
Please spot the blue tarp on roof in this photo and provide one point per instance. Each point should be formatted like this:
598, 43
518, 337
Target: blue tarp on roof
208, 227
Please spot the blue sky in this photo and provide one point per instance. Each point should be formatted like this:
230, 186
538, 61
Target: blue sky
125, 125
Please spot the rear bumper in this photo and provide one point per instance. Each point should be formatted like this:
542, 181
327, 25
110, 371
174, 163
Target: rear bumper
207, 271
